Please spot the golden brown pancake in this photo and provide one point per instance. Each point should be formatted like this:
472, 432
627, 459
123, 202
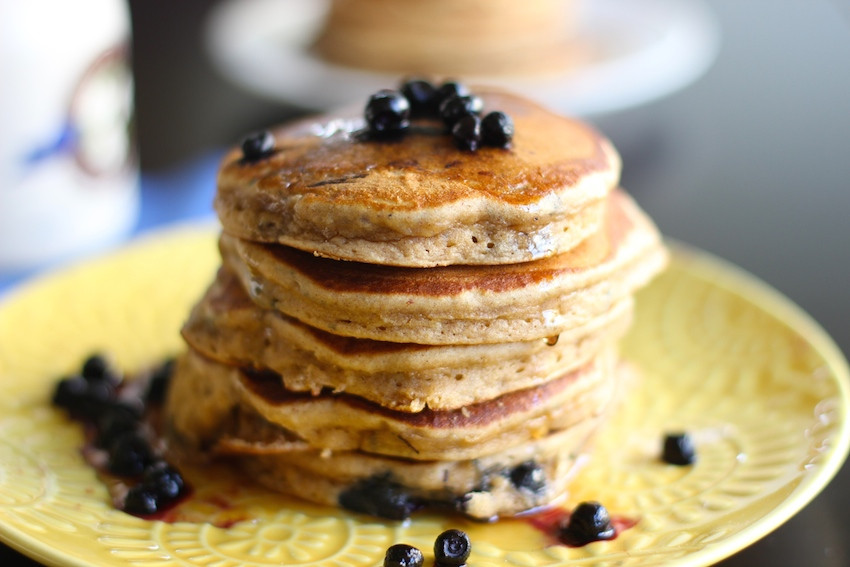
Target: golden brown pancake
342, 422
421, 201
456, 304
226, 326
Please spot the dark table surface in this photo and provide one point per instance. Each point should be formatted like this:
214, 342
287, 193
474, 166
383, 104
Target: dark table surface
751, 162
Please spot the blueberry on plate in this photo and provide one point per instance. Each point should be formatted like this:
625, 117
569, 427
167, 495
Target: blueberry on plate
140, 501
497, 129
165, 481
116, 420
257, 145
403, 555
588, 522
70, 392
452, 548
387, 113
678, 449
99, 395
95, 367
129, 455
466, 132
83, 399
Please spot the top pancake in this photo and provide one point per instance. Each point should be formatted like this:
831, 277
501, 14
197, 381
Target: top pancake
419, 201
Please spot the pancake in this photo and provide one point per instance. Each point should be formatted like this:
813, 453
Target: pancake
456, 304
484, 488
420, 201
451, 37
226, 326
342, 422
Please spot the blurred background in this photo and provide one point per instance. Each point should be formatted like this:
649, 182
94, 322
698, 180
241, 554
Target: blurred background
733, 120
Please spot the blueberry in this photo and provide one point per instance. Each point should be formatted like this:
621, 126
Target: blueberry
452, 547
99, 395
140, 501
387, 113
116, 420
421, 96
83, 399
588, 522
403, 555
160, 487
257, 146
165, 482
497, 129
129, 455
448, 90
467, 132
95, 367
70, 392
378, 496
454, 108
528, 476
158, 385
678, 449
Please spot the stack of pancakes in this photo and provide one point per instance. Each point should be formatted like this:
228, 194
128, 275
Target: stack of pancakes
402, 323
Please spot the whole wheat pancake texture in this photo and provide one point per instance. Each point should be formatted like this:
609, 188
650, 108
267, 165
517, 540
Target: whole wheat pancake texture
456, 304
421, 201
228, 327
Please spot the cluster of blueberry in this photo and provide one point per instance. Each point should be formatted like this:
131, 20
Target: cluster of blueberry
382, 497
451, 549
388, 114
92, 397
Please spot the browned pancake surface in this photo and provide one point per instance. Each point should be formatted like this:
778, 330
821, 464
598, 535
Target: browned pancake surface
421, 201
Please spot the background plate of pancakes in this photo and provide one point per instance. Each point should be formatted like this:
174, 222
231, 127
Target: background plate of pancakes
759, 386
613, 55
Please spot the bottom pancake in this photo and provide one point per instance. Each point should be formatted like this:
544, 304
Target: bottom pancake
522, 478
342, 422
209, 420
504, 484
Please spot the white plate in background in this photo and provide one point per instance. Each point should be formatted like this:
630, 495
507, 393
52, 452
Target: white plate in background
646, 49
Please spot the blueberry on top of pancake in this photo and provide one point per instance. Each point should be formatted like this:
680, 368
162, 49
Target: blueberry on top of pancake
419, 200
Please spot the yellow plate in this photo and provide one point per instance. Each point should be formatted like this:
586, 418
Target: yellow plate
762, 389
